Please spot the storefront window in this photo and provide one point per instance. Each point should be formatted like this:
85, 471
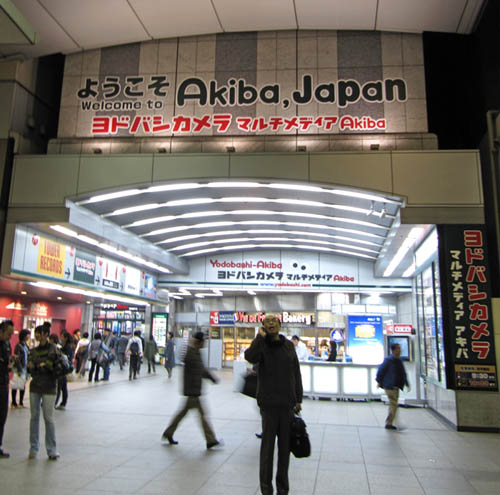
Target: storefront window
430, 322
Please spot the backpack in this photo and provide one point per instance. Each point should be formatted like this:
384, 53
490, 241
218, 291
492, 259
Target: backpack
62, 366
134, 348
300, 445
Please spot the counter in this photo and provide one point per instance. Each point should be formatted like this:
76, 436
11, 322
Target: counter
343, 380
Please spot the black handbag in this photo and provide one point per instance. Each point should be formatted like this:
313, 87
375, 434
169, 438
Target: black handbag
300, 446
250, 385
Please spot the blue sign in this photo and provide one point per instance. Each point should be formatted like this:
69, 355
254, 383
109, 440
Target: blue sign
365, 341
337, 335
226, 317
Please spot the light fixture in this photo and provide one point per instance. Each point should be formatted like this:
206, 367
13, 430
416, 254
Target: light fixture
252, 293
409, 271
371, 211
88, 302
64, 230
412, 237
59, 298
23, 292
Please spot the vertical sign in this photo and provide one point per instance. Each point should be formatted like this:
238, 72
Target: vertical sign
365, 341
470, 347
159, 326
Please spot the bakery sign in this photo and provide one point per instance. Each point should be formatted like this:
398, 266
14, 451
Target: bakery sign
133, 105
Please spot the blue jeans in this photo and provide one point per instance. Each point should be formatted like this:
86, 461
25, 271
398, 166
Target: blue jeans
107, 371
47, 402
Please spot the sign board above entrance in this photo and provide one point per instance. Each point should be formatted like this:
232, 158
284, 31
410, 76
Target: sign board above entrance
311, 82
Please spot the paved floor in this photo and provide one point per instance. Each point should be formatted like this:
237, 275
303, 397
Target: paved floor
109, 439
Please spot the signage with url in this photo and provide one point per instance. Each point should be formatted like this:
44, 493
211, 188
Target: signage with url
51, 256
470, 342
116, 97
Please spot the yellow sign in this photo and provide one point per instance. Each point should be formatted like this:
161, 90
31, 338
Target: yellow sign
51, 256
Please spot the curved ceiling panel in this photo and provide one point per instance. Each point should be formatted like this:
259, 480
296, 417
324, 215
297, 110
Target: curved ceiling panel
192, 219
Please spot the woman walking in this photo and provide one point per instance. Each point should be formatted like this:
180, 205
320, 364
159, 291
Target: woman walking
20, 369
170, 354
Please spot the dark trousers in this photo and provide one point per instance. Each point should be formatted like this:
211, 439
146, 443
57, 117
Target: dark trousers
62, 389
94, 366
133, 368
276, 422
13, 393
4, 407
121, 359
151, 363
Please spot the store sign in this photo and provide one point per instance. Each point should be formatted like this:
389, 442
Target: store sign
39, 309
112, 102
222, 317
398, 329
36, 255
159, 326
365, 339
230, 318
16, 306
85, 267
51, 256
470, 344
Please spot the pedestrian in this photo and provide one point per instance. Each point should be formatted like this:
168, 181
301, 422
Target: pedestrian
391, 376
95, 347
20, 369
170, 354
6, 331
81, 354
279, 395
54, 339
150, 352
134, 350
121, 349
108, 353
143, 342
62, 381
332, 356
41, 360
300, 348
194, 372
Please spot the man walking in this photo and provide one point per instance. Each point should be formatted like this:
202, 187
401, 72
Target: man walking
194, 371
391, 376
6, 331
134, 348
279, 393
121, 348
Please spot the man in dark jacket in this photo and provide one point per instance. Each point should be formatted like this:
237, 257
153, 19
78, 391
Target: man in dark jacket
41, 363
279, 393
6, 331
391, 376
194, 372
121, 348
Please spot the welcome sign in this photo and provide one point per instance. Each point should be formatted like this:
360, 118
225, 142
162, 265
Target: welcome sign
247, 83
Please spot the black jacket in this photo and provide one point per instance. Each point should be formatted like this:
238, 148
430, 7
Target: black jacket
194, 371
4, 362
44, 380
279, 382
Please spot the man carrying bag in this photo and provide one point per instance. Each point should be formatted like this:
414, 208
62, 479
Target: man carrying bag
279, 394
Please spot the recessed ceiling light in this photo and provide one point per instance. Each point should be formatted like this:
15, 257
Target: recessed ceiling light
59, 298
23, 292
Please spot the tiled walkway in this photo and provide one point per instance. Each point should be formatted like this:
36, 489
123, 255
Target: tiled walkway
109, 439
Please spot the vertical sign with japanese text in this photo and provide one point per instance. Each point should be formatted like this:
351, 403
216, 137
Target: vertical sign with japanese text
469, 337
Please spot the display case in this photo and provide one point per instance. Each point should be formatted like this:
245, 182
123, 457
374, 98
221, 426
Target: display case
118, 317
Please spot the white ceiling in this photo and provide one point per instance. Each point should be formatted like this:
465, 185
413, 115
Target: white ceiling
71, 25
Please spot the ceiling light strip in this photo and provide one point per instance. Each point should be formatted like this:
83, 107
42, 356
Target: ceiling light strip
275, 246
243, 200
235, 184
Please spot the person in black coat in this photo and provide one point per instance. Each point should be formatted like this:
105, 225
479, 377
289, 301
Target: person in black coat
6, 331
194, 372
279, 394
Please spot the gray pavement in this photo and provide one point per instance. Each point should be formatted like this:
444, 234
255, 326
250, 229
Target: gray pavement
109, 440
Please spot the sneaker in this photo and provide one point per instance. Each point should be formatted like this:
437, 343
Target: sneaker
217, 443
169, 439
21, 406
390, 427
3, 454
54, 457
258, 435
13, 406
32, 454
60, 407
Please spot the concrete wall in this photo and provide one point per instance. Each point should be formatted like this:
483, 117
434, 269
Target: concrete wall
434, 183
